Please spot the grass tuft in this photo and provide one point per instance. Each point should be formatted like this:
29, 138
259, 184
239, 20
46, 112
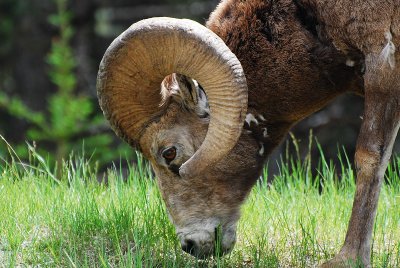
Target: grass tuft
298, 220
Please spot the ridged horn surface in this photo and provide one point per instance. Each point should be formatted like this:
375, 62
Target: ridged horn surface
136, 63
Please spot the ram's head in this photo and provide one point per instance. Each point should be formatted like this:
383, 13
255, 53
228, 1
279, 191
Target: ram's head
189, 133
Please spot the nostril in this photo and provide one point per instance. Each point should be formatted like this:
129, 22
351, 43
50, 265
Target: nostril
188, 246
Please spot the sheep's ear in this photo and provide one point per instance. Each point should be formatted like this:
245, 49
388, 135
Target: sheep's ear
188, 92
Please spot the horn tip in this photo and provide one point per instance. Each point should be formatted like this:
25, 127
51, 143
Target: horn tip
186, 171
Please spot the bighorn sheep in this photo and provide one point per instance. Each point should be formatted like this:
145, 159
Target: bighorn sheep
207, 139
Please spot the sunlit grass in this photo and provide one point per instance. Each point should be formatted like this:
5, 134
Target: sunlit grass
297, 221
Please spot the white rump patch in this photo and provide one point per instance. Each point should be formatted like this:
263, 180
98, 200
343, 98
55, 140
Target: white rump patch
387, 54
250, 118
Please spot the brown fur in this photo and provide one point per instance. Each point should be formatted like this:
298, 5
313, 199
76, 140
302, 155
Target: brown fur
294, 54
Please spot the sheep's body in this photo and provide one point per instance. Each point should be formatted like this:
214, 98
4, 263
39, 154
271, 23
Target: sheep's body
317, 52
290, 71
298, 55
357, 24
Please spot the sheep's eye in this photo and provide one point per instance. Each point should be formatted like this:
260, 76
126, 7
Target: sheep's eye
169, 153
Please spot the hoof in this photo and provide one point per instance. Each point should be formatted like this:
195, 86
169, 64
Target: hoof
343, 262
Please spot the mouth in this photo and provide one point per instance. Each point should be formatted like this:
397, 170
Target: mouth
203, 244
200, 252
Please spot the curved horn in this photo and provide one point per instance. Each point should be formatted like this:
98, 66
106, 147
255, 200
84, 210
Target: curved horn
136, 63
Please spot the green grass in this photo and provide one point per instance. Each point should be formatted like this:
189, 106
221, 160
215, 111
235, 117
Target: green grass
297, 221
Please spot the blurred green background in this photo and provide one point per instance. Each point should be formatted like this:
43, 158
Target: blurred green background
49, 55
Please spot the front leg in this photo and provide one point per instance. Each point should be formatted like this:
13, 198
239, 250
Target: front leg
374, 148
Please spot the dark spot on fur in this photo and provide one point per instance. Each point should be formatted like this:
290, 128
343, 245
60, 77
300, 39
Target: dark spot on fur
382, 150
174, 168
307, 19
265, 29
